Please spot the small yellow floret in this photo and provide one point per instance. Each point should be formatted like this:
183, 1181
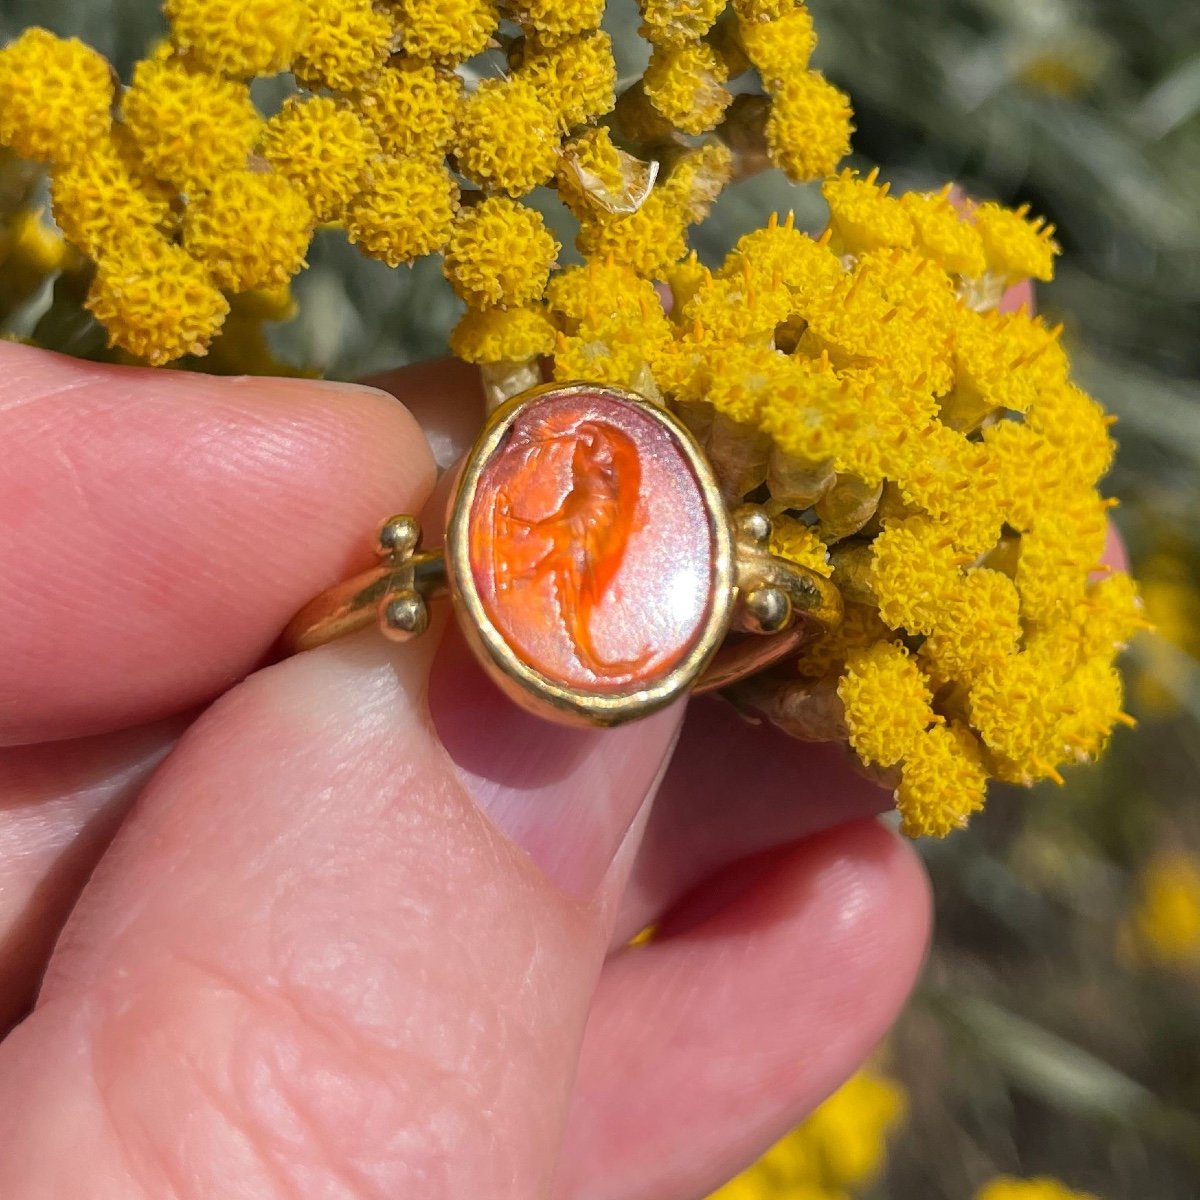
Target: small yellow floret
555, 20
678, 22
742, 379
684, 279
324, 148
863, 216
943, 235
413, 106
980, 624
956, 481
799, 543
598, 291
1014, 705
943, 781
1016, 247
1006, 1187
687, 86
498, 335
1064, 544
1026, 463
406, 212
742, 308
779, 49
56, 96
576, 77
990, 369
698, 176
808, 130
914, 571
107, 193
648, 240
238, 37
447, 31
190, 126
615, 350
860, 628
251, 230
500, 252
888, 703
805, 411
781, 251
1071, 421
1090, 702
1112, 613
345, 42
1166, 918
156, 301
508, 137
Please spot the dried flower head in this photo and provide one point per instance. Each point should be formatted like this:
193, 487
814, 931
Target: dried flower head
499, 252
56, 96
345, 42
156, 301
446, 31
251, 230
405, 213
324, 148
190, 126
241, 38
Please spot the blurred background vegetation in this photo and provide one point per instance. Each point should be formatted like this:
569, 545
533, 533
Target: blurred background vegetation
1057, 1030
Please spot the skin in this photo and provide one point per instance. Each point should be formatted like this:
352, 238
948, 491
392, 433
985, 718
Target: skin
351, 925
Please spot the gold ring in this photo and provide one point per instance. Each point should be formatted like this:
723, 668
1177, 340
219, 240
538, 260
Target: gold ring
592, 562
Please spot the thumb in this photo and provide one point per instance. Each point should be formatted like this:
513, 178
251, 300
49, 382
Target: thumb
316, 963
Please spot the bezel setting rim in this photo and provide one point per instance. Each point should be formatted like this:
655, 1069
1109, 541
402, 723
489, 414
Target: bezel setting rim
525, 684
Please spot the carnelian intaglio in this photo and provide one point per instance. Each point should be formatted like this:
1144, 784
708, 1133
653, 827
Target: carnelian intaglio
591, 544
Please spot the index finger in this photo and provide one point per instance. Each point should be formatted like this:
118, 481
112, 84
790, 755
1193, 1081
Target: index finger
159, 528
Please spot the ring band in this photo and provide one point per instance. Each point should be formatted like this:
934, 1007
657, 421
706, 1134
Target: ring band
592, 563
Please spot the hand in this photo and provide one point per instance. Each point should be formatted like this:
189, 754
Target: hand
359, 908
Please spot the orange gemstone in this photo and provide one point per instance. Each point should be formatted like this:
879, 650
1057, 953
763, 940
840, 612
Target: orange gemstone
591, 544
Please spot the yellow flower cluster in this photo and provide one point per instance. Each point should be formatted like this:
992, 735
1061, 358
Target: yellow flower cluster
842, 1146
382, 134
926, 451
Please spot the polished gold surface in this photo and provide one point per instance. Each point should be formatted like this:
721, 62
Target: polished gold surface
782, 604
393, 595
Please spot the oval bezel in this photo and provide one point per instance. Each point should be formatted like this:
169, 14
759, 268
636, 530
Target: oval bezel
525, 684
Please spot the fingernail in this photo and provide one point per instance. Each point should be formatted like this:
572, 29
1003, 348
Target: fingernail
566, 796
